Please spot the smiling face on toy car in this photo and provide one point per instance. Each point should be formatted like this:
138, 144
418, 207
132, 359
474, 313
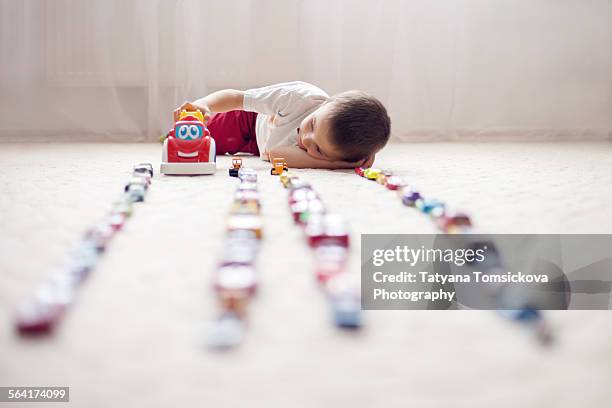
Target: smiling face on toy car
188, 138
188, 135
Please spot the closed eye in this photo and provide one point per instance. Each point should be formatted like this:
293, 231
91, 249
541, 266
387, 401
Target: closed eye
320, 153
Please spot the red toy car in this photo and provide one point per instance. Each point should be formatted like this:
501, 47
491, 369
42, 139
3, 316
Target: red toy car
328, 229
35, 317
330, 260
189, 149
41, 313
116, 220
455, 223
394, 183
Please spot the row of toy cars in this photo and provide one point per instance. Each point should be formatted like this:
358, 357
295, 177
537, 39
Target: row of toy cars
456, 223
327, 235
41, 313
235, 280
447, 222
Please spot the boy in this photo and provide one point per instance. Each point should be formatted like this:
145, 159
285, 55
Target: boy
297, 121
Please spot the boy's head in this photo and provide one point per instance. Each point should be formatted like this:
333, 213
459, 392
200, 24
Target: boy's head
350, 126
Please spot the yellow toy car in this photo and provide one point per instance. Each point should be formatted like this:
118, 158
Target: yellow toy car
278, 166
287, 178
371, 174
382, 177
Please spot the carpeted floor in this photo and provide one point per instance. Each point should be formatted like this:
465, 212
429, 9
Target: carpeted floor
135, 336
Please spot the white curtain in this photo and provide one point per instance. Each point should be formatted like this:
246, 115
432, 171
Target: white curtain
446, 69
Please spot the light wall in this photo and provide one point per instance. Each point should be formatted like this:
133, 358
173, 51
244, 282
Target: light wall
446, 69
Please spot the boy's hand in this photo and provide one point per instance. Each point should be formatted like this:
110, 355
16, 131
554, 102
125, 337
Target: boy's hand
340, 164
188, 106
367, 162
297, 157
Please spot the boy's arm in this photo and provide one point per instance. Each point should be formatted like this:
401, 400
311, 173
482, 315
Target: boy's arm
221, 101
298, 158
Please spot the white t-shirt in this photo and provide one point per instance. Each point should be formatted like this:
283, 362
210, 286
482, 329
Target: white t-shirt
280, 110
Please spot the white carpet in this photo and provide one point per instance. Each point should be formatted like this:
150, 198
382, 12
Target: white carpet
135, 335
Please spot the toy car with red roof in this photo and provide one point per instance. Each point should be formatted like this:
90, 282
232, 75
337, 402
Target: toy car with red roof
394, 183
189, 149
455, 223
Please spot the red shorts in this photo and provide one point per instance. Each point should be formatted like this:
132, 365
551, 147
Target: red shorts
234, 132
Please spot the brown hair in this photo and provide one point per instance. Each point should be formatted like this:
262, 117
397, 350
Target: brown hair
359, 124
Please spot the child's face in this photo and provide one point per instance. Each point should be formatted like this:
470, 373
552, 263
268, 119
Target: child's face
314, 136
